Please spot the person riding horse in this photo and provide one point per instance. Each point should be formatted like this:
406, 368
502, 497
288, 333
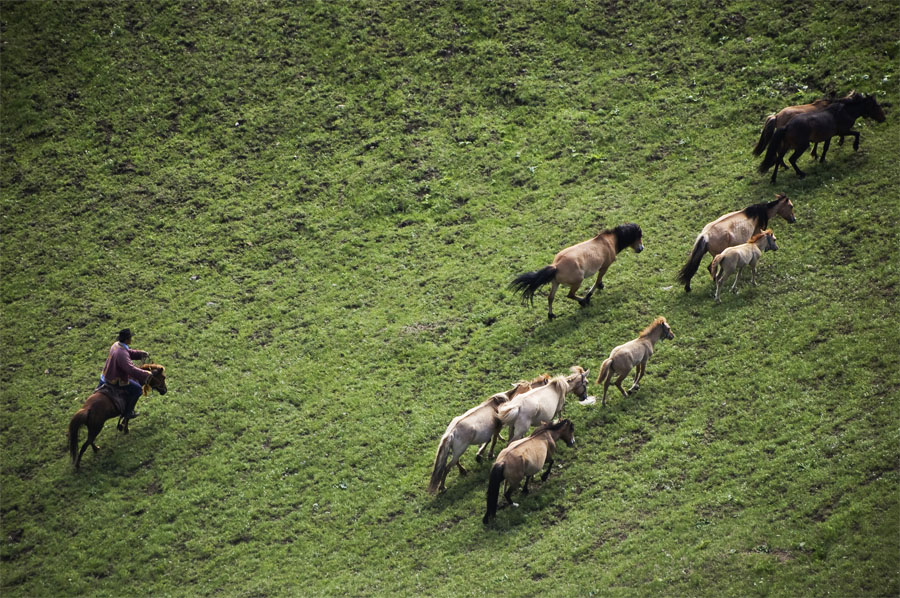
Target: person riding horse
120, 373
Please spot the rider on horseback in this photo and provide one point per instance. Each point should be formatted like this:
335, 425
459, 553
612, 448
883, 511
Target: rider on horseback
120, 372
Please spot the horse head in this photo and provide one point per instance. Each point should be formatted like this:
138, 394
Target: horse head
871, 109
785, 208
629, 235
567, 432
578, 381
667, 330
157, 379
770, 241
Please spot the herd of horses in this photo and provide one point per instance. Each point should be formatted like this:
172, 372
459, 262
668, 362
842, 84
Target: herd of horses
735, 240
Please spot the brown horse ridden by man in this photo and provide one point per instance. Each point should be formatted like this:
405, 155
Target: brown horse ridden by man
736, 258
99, 407
636, 352
523, 459
785, 115
573, 265
479, 425
835, 119
732, 229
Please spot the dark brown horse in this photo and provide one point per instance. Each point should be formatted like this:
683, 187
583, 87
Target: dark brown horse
786, 115
835, 119
98, 408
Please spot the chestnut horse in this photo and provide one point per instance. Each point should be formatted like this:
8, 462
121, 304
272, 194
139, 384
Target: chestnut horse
737, 257
523, 459
636, 352
835, 119
98, 408
574, 264
476, 426
732, 229
785, 115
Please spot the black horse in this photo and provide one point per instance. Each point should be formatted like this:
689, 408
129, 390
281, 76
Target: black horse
835, 119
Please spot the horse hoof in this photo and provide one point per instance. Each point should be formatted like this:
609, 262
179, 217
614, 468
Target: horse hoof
550, 317
119, 427
478, 458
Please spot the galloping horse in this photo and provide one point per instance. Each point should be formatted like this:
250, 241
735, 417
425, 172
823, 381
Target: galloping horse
785, 115
574, 264
835, 119
523, 459
541, 404
98, 408
735, 258
732, 229
478, 425
636, 352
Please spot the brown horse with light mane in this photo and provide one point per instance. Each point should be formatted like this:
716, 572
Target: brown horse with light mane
737, 257
523, 459
732, 229
98, 408
478, 425
542, 404
573, 265
785, 115
636, 352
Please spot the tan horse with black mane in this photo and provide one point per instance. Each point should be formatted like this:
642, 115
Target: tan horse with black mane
98, 408
523, 459
542, 404
636, 352
733, 229
573, 265
736, 258
479, 425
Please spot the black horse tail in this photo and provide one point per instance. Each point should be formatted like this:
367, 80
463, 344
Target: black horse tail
530, 282
690, 268
766, 135
493, 495
78, 420
772, 153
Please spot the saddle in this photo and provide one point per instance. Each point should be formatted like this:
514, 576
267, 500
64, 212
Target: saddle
116, 394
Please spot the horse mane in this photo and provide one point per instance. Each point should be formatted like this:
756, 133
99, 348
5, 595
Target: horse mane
626, 234
759, 235
652, 326
550, 426
559, 383
760, 211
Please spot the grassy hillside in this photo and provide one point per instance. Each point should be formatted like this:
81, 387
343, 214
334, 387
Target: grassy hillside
309, 213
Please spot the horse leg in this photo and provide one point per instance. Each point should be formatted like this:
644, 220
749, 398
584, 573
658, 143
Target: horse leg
605, 388
619, 384
553, 286
825, 149
737, 275
546, 473
525, 488
793, 161
855, 139
598, 286
638, 374
92, 435
480, 452
573, 294
812, 153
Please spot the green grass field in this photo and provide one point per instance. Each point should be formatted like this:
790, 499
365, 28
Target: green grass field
310, 213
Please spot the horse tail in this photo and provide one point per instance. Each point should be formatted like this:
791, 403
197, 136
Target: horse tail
508, 414
440, 462
530, 282
78, 420
766, 135
604, 370
493, 493
716, 264
772, 153
690, 268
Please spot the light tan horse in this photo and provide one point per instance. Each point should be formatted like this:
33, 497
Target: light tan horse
785, 115
523, 459
573, 265
636, 352
736, 258
733, 229
479, 425
542, 404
